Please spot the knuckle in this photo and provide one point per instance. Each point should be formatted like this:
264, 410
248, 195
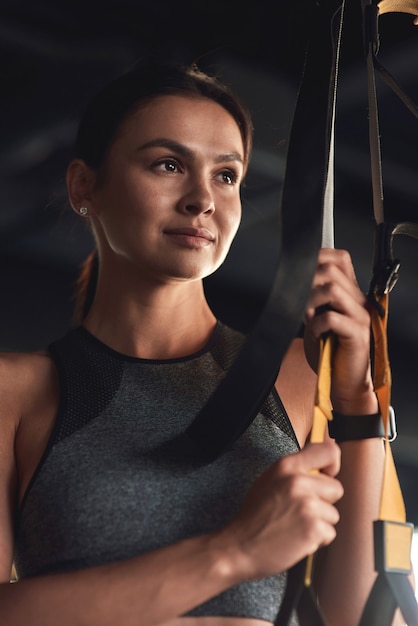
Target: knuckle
295, 487
344, 257
286, 465
309, 509
313, 533
319, 533
331, 534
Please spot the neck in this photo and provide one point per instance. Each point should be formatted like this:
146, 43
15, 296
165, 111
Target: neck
158, 322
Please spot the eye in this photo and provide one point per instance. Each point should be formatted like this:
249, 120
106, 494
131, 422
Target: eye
229, 177
170, 166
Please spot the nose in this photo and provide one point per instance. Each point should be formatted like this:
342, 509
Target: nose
198, 199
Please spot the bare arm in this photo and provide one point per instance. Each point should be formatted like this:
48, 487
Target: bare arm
150, 589
346, 568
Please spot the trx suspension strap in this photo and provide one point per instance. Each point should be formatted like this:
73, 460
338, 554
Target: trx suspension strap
299, 596
237, 400
392, 535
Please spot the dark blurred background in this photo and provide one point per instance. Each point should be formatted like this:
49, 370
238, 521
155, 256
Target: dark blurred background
55, 55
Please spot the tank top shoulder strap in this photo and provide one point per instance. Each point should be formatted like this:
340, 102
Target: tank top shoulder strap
89, 376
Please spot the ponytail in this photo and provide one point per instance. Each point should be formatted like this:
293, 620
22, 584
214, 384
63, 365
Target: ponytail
85, 287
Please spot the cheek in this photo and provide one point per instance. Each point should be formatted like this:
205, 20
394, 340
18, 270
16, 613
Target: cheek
227, 228
128, 200
233, 220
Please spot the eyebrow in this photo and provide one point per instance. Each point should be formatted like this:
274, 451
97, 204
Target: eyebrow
186, 152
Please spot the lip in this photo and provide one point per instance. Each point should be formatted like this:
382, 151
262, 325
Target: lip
202, 233
189, 237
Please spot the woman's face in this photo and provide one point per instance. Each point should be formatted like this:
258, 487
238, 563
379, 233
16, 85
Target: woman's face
168, 196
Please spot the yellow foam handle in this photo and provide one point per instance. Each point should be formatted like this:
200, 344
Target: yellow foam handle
322, 413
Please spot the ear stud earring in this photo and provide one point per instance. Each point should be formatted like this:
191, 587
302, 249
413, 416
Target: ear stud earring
83, 210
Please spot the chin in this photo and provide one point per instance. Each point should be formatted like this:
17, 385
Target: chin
192, 272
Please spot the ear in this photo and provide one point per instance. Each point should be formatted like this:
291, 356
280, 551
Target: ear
81, 180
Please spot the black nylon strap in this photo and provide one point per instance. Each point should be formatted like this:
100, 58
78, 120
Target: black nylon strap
300, 599
404, 595
380, 606
390, 591
238, 398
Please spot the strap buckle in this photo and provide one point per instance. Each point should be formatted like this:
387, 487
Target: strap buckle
393, 431
385, 277
385, 267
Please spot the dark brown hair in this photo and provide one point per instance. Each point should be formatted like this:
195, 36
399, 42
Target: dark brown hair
105, 113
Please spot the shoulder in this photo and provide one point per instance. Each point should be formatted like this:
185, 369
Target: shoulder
23, 377
22, 368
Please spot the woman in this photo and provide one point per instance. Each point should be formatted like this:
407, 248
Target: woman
115, 521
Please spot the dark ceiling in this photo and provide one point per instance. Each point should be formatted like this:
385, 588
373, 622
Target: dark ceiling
55, 55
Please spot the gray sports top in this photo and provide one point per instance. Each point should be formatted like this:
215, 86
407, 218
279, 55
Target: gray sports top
118, 478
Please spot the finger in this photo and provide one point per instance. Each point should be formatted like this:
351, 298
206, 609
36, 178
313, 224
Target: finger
324, 457
313, 493
329, 533
355, 329
326, 300
335, 291
336, 266
339, 258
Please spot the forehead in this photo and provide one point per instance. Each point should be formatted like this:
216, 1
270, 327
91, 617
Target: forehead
185, 119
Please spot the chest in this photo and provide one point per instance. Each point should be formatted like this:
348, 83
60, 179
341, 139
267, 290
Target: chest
119, 477
122, 486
